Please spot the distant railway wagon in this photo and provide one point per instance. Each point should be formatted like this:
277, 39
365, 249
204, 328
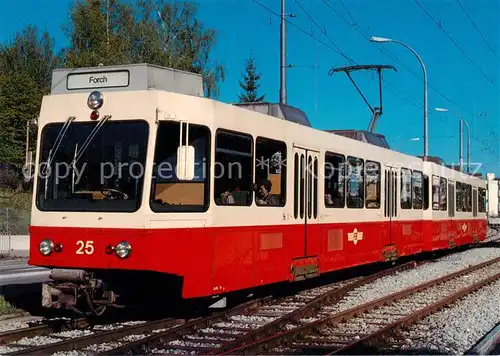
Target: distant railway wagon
145, 189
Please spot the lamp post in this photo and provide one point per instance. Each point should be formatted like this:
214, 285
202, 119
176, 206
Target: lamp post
468, 140
383, 40
460, 135
28, 157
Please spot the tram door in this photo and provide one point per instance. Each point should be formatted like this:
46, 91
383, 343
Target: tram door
305, 199
391, 202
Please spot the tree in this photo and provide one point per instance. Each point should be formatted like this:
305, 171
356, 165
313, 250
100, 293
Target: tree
26, 66
31, 54
250, 84
20, 100
160, 32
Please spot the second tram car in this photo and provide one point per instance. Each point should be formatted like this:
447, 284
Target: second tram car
144, 185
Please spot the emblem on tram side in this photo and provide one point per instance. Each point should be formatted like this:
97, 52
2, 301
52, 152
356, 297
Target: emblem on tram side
355, 236
464, 227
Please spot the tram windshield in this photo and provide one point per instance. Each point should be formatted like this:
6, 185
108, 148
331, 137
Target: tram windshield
108, 175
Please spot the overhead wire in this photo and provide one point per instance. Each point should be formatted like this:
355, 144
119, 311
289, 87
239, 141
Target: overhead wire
335, 49
477, 29
339, 51
456, 44
393, 88
363, 33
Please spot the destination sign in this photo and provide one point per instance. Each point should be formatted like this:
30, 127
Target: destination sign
94, 80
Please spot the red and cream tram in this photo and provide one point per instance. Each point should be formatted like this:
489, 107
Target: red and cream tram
145, 188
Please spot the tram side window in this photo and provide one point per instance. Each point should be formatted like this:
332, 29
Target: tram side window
458, 197
481, 200
416, 184
426, 192
355, 183
233, 168
270, 168
435, 193
169, 193
334, 180
469, 198
405, 188
372, 175
443, 195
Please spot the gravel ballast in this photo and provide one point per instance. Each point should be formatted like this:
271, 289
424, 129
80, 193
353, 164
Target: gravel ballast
456, 329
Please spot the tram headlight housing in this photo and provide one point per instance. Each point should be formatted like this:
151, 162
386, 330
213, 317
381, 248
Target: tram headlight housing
95, 100
46, 247
123, 249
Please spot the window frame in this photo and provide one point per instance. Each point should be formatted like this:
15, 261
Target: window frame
405, 206
413, 173
378, 187
445, 208
348, 180
252, 159
207, 180
439, 192
344, 185
284, 176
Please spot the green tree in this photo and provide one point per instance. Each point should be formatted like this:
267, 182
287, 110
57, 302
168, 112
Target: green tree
250, 84
160, 32
32, 54
26, 65
19, 101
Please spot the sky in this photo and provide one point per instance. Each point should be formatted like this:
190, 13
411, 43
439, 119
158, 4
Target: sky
458, 40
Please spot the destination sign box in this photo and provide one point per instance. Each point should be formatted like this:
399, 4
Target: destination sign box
95, 80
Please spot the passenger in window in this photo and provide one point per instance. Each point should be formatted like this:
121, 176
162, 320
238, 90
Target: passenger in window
227, 198
263, 197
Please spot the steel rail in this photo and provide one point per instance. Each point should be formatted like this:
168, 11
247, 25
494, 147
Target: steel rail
97, 338
310, 308
48, 327
286, 337
159, 340
137, 346
413, 318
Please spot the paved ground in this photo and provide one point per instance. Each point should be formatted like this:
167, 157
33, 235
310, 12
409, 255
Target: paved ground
19, 272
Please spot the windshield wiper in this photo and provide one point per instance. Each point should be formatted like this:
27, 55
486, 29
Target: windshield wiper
57, 143
54, 149
89, 139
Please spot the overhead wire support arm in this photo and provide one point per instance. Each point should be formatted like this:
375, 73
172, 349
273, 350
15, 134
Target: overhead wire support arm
377, 111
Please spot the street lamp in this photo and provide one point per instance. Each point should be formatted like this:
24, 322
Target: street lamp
460, 158
468, 141
383, 40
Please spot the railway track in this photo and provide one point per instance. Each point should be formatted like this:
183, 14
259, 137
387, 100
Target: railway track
362, 328
218, 332
42, 328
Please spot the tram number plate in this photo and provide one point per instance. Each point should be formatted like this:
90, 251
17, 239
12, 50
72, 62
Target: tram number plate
84, 247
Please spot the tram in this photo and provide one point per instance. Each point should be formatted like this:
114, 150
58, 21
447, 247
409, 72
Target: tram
145, 190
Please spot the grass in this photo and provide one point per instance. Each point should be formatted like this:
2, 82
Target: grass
16, 219
9, 198
7, 308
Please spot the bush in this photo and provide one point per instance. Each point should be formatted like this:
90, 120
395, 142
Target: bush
11, 177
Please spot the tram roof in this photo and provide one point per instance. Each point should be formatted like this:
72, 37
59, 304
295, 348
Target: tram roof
129, 77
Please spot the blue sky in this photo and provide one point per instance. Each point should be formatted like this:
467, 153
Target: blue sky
468, 75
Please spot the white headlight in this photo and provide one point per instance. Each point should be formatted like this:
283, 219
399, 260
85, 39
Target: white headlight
123, 249
95, 100
46, 247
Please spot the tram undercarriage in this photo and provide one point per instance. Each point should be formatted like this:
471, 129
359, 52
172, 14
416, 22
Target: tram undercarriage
92, 292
